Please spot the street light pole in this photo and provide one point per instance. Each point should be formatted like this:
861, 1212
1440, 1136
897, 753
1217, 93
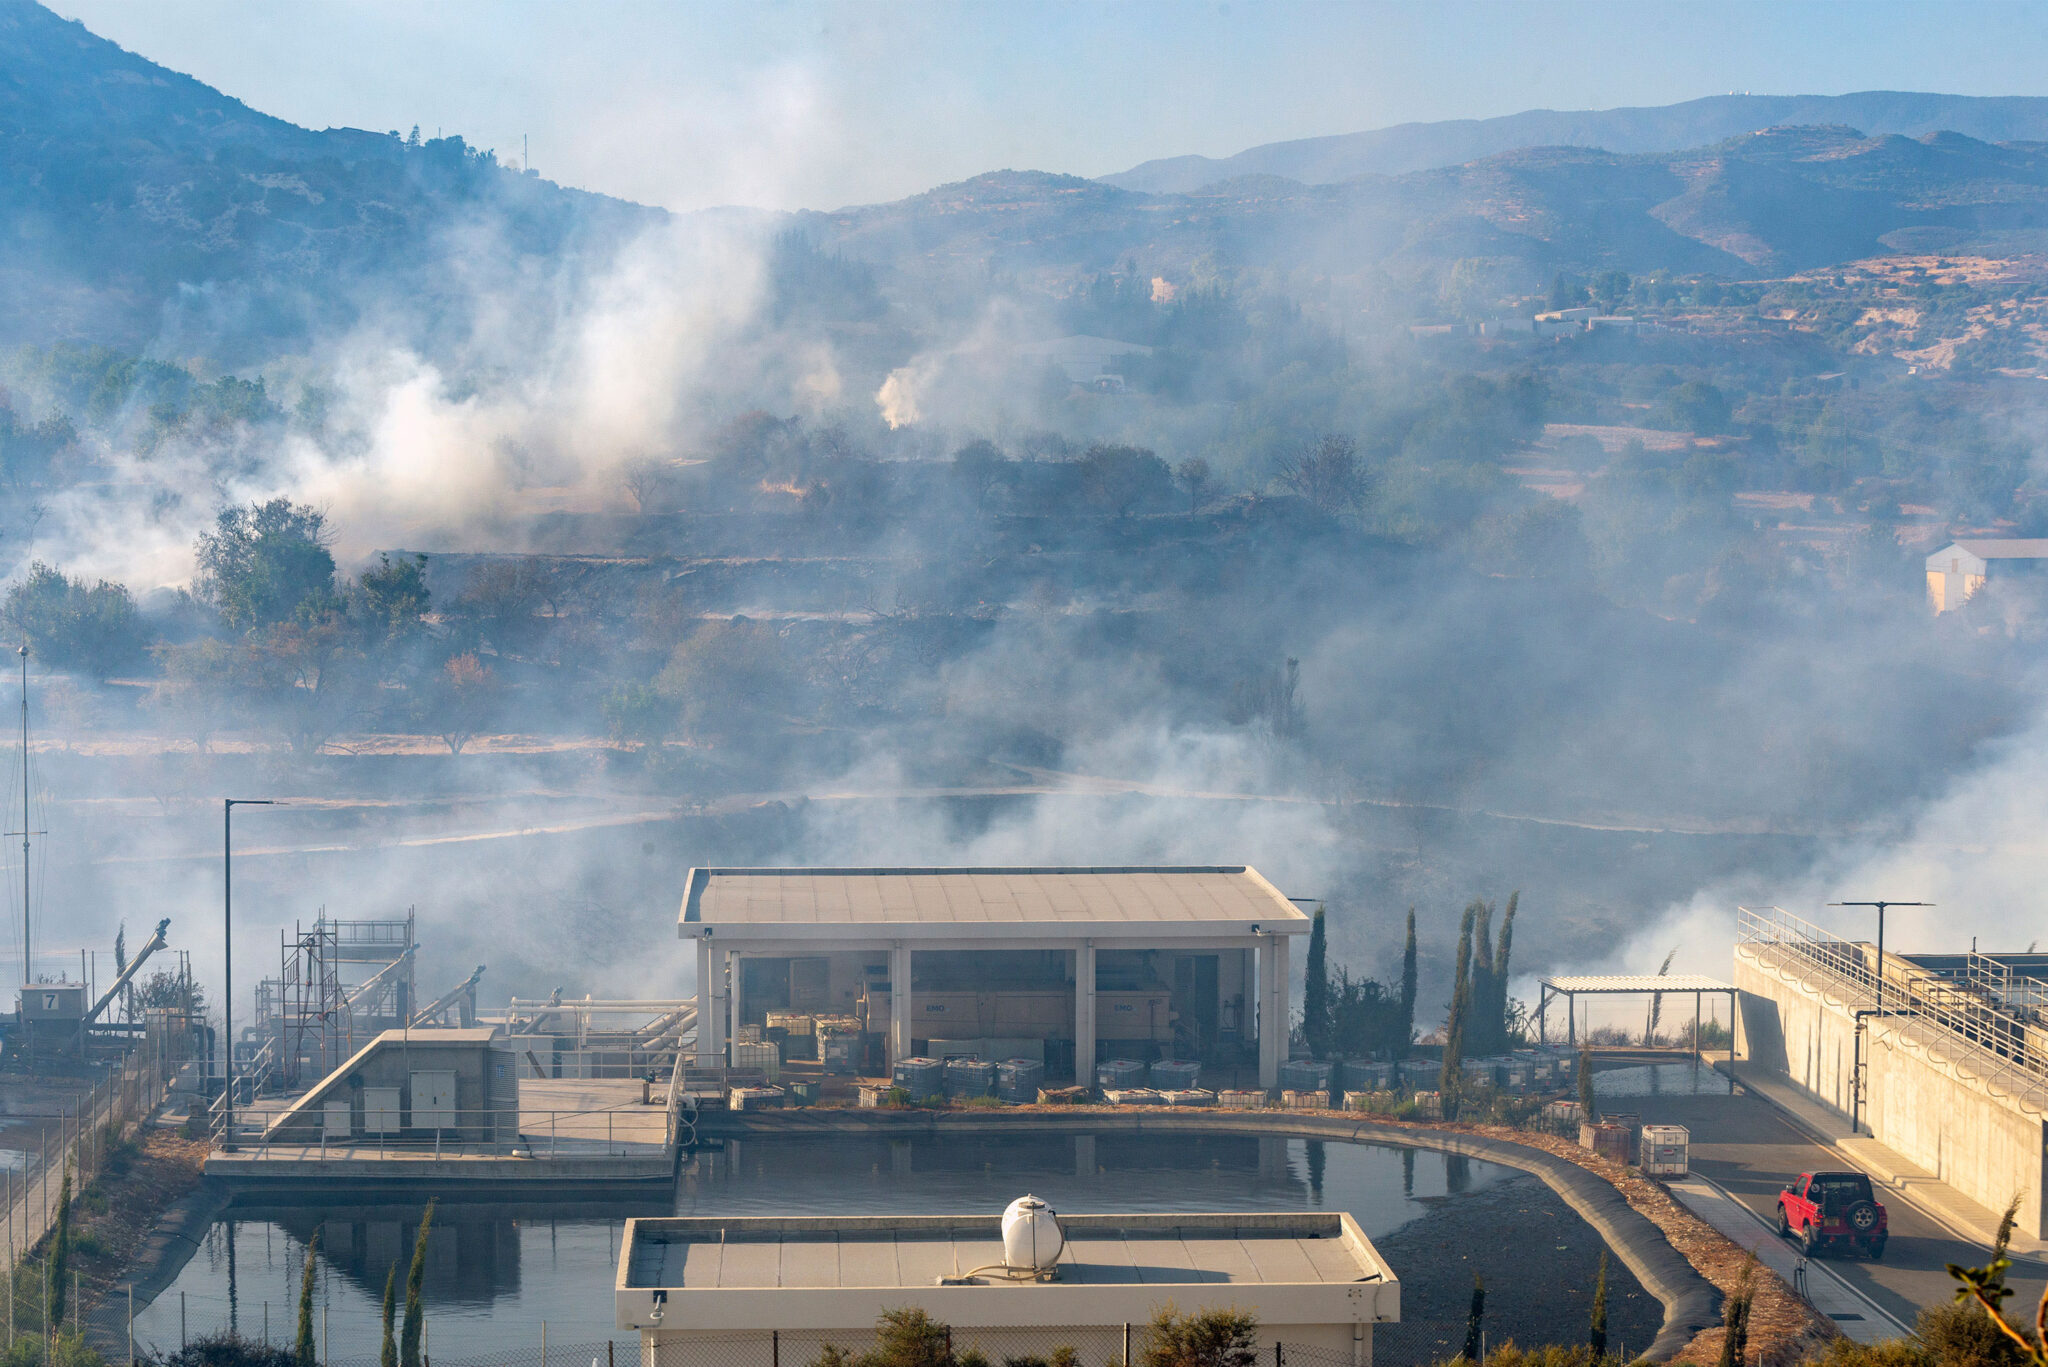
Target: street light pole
1880, 937
227, 1004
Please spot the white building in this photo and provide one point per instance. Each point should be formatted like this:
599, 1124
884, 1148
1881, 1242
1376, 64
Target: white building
1959, 569
710, 1291
1135, 962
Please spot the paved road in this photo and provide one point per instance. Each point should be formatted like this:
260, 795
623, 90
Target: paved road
1752, 1150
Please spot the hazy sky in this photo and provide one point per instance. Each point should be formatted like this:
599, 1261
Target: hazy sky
816, 105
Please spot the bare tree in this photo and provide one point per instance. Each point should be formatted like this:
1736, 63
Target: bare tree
1328, 475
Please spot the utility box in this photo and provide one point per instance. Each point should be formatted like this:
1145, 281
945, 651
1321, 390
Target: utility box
47, 1002
334, 1119
1666, 1150
381, 1111
433, 1100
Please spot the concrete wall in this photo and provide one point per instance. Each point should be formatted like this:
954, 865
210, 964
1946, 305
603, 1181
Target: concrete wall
1916, 1102
486, 1087
1324, 1343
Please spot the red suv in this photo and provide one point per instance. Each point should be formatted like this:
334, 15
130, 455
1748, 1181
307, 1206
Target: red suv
1824, 1208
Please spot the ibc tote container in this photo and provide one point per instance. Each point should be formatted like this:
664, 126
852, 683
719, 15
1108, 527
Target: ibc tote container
1305, 1075
1120, 1073
1665, 1150
1364, 1075
1018, 1079
747, 1057
1176, 1075
969, 1077
923, 1078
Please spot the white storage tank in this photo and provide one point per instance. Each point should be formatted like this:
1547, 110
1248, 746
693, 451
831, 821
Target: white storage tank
1032, 1238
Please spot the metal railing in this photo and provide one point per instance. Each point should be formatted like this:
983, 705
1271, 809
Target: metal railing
618, 1132
1963, 1020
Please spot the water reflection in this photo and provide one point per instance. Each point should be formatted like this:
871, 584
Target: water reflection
495, 1271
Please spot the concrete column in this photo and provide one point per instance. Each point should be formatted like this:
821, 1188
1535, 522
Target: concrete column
899, 1003
736, 959
1084, 1014
1272, 1009
706, 1056
720, 1007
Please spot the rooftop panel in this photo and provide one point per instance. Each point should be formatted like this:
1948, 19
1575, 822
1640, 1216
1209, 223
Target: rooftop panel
939, 896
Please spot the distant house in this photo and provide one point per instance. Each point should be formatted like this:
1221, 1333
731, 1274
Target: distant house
1958, 570
1496, 327
1610, 322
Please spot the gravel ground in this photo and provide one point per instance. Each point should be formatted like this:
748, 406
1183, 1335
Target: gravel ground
1539, 1261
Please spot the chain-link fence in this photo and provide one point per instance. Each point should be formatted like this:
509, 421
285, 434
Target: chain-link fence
107, 1328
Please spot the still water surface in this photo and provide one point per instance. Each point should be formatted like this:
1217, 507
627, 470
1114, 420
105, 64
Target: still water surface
495, 1272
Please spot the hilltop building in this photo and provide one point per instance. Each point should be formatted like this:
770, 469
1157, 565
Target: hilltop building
1959, 569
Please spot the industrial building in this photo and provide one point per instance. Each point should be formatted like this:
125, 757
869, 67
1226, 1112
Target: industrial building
1940, 1058
1069, 963
703, 1291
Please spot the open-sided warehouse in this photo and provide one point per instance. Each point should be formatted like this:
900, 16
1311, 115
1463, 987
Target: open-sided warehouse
1078, 963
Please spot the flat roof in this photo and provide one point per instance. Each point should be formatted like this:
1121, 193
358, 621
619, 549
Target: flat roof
1215, 896
1637, 982
707, 1253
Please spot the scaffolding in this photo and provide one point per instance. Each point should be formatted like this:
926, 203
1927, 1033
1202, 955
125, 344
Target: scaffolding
339, 984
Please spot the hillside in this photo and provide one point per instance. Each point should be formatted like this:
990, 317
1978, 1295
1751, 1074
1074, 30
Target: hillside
1424, 146
1777, 201
136, 203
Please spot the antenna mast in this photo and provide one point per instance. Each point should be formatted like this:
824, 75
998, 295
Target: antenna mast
28, 975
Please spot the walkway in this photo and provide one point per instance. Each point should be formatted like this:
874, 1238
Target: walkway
1750, 1148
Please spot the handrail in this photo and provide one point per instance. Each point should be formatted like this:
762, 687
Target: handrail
1965, 1019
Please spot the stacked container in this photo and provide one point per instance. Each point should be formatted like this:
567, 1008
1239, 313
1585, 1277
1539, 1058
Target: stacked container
1133, 1096
1018, 1079
1421, 1072
1304, 1100
796, 1031
753, 1057
1240, 1099
1190, 1096
756, 1098
1176, 1075
923, 1078
1119, 1073
839, 1046
1429, 1105
966, 1077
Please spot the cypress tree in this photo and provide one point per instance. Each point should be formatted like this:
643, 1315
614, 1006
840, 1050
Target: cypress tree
1596, 1339
1587, 1108
1480, 1030
415, 1297
1498, 1010
1315, 990
387, 1355
1451, 1079
1407, 991
303, 1352
1474, 1319
60, 1251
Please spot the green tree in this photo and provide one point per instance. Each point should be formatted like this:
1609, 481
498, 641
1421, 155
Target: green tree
635, 716
1211, 1338
71, 624
1596, 1336
262, 563
1698, 407
1408, 986
979, 466
1315, 991
415, 1295
1735, 1318
303, 1350
60, 1251
1120, 478
1328, 475
1451, 1080
459, 701
395, 595
387, 1353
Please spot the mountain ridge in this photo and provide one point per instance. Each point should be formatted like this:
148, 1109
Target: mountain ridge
1421, 146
